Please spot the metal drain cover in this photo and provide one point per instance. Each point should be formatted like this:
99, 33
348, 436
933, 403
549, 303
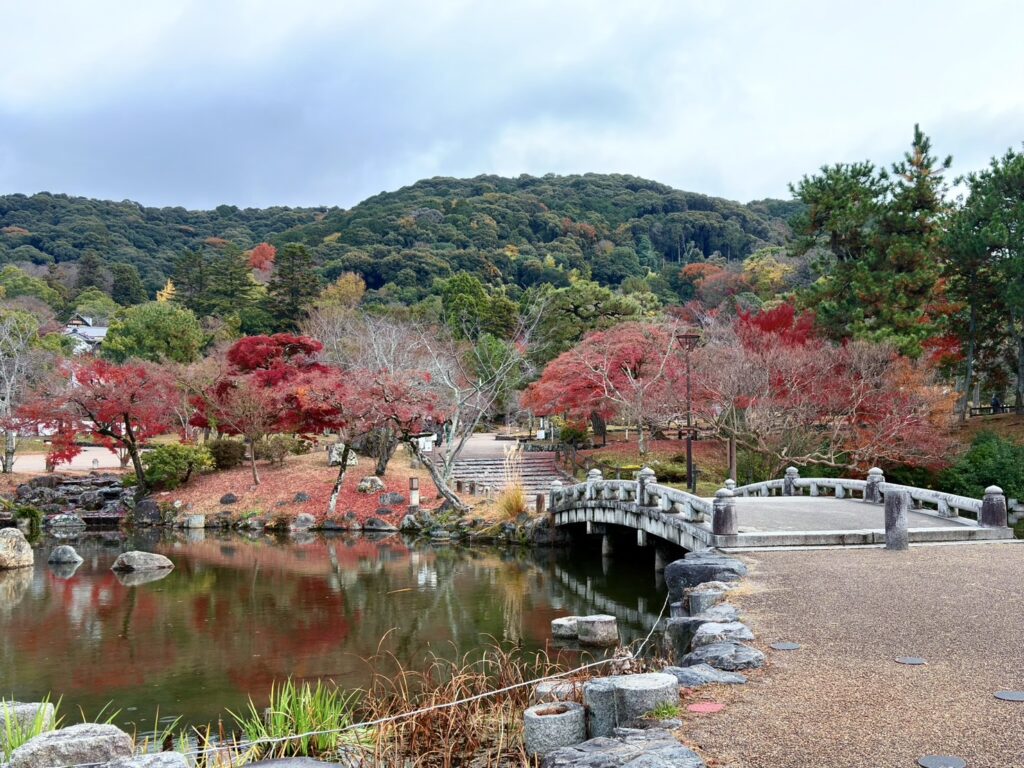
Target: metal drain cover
941, 761
1010, 695
785, 646
913, 661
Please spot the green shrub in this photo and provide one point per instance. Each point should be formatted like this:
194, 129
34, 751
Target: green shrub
991, 460
226, 453
574, 433
172, 464
276, 447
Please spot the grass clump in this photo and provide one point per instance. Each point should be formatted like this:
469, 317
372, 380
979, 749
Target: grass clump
664, 712
298, 709
17, 731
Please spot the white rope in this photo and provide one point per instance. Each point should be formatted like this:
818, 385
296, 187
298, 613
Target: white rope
413, 713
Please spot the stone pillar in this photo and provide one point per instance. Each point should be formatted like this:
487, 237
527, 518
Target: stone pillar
414, 493
789, 481
661, 559
458, 486
873, 490
472, 488
607, 546
641, 537
993, 508
644, 478
840, 491
730, 484
723, 519
553, 494
896, 506
594, 477
538, 503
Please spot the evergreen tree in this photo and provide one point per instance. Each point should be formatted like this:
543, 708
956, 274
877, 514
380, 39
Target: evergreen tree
90, 272
293, 287
879, 238
127, 288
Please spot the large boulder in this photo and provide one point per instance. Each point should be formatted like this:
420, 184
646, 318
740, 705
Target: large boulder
728, 656
229, 498
303, 522
15, 551
698, 567
147, 512
375, 524
631, 748
370, 484
391, 499
335, 453
141, 561
64, 554
85, 744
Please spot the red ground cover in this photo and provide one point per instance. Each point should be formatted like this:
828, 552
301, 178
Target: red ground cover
275, 495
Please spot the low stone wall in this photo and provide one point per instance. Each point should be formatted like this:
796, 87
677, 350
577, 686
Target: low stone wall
96, 497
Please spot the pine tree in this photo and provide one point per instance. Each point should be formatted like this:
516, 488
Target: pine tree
90, 272
127, 288
167, 293
293, 287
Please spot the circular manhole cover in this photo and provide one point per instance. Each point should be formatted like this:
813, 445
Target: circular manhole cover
941, 761
705, 707
1010, 695
785, 646
912, 661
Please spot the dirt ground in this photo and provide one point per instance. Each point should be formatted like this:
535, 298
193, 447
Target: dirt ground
841, 700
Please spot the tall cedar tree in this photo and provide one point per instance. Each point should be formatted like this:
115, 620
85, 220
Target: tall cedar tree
90, 272
127, 287
214, 282
881, 233
986, 269
293, 287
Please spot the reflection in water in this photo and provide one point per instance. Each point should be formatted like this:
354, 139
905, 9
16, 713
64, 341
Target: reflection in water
138, 578
63, 570
241, 611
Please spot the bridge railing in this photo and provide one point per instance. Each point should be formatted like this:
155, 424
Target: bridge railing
643, 492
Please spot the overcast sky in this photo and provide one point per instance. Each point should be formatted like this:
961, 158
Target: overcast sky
310, 102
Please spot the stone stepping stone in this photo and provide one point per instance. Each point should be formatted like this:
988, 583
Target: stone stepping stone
705, 707
564, 628
785, 646
636, 695
717, 632
599, 630
700, 675
911, 661
728, 656
1010, 695
941, 761
551, 726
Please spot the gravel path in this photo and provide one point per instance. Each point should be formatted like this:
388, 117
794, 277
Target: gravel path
841, 700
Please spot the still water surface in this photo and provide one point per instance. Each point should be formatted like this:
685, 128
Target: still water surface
240, 612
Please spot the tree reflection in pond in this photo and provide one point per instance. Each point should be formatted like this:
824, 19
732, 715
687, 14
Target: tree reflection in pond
239, 612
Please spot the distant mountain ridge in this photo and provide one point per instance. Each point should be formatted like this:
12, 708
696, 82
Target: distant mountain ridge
523, 231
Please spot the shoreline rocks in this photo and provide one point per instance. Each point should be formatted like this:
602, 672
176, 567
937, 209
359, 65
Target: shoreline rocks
84, 744
15, 551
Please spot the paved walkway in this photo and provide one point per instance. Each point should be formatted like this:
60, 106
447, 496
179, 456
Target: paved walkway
820, 513
841, 700
36, 462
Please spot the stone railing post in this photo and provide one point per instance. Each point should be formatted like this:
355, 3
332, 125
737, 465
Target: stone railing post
553, 494
897, 504
789, 481
723, 517
730, 484
644, 478
873, 490
594, 477
993, 508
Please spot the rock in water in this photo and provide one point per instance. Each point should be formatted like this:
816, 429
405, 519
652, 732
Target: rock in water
15, 551
155, 760
303, 522
140, 561
64, 554
728, 656
64, 521
375, 524
147, 512
85, 744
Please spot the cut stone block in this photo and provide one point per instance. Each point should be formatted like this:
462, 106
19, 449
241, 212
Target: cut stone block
551, 726
564, 628
599, 630
636, 695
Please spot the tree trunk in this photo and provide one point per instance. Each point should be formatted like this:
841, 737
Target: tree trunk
142, 487
732, 457
969, 372
641, 439
385, 450
332, 505
438, 478
10, 445
252, 463
1018, 336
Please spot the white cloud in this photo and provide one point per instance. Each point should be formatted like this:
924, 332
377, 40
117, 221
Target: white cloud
261, 102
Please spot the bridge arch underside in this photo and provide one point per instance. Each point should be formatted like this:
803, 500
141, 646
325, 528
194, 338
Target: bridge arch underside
621, 521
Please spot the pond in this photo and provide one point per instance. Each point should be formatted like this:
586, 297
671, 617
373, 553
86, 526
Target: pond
239, 612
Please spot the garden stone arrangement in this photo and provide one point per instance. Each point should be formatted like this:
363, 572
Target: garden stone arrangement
619, 712
97, 496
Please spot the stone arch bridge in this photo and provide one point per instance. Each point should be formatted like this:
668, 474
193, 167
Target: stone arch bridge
791, 511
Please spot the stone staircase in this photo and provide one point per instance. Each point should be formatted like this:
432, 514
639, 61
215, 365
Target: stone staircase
538, 472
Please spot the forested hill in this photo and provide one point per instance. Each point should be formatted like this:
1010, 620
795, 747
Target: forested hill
524, 231
530, 230
46, 229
